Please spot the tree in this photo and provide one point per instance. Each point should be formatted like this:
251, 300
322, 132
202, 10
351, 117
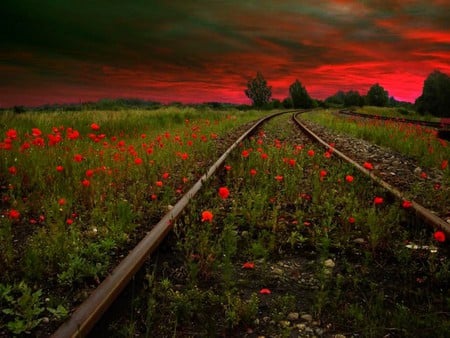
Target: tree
258, 91
299, 96
377, 96
336, 99
435, 98
352, 98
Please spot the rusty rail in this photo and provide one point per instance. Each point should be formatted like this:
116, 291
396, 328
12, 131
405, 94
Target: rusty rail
92, 309
426, 215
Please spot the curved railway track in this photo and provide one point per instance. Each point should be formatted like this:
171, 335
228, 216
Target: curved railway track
88, 313
394, 119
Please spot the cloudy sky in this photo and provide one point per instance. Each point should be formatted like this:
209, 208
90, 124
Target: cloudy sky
54, 51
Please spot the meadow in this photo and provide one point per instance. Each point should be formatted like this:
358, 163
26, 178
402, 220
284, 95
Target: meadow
284, 235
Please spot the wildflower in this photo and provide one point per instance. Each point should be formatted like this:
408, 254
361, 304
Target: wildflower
406, 204
12, 170
95, 127
351, 220
184, 156
165, 176
279, 178
323, 173
69, 221
439, 236
245, 153
378, 200
36, 132
78, 158
62, 201
368, 165
291, 162
349, 178
11, 134
207, 216
224, 192
159, 184
86, 183
327, 154
153, 197
423, 175
248, 265
311, 153
253, 172
13, 214
265, 291
444, 164
264, 156
89, 173
227, 167
437, 186
138, 161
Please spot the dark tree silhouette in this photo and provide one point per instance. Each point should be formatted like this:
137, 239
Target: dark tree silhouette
435, 98
258, 91
377, 96
299, 96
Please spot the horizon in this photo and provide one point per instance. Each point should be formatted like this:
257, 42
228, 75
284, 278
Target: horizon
197, 52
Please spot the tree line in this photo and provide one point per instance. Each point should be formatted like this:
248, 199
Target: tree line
435, 98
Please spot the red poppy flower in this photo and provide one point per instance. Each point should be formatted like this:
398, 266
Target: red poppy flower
227, 167
311, 153
207, 216
11, 134
253, 172
439, 236
78, 158
378, 200
13, 214
86, 183
406, 204
327, 154
279, 178
138, 161
165, 176
265, 291
224, 192
69, 221
349, 178
423, 175
95, 127
444, 164
248, 265
323, 173
12, 170
264, 156
368, 165
159, 184
245, 153
36, 132
351, 220
89, 173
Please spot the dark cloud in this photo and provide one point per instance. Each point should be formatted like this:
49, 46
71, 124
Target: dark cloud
197, 51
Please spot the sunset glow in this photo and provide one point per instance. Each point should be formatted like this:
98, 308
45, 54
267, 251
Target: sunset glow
62, 52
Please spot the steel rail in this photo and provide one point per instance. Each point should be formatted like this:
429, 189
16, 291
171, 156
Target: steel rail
90, 311
394, 119
425, 214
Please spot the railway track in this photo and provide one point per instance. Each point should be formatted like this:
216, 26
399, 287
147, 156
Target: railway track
88, 314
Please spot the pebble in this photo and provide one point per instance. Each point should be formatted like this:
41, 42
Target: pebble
339, 336
307, 317
359, 241
329, 263
293, 316
285, 323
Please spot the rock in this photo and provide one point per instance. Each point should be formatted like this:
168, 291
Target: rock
307, 317
418, 170
285, 323
338, 336
293, 316
329, 263
277, 271
359, 241
300, 327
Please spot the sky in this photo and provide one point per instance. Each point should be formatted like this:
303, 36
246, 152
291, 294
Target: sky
192, 51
